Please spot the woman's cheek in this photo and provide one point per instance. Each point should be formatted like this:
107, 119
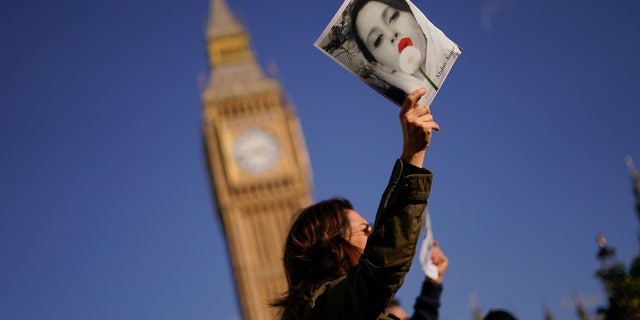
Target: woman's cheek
393, 56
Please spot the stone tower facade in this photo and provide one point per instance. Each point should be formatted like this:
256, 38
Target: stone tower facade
257, 159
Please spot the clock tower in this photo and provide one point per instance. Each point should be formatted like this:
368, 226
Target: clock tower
258, 163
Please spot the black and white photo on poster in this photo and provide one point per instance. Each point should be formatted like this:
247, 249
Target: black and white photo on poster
391, 46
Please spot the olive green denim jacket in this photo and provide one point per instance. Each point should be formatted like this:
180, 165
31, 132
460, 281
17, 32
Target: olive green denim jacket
371, 285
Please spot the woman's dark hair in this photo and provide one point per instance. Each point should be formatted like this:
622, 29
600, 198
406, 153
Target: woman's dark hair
401, 5
316, 251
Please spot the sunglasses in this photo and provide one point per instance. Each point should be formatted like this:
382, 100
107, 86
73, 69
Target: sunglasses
366, 230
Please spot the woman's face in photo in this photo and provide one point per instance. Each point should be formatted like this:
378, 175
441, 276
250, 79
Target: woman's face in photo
385, 31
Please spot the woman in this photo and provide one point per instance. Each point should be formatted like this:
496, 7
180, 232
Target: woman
337, 266
397, 45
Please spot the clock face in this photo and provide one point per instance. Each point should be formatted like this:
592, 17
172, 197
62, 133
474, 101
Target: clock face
256, 150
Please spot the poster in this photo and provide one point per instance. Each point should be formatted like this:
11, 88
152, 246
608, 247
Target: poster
391, 46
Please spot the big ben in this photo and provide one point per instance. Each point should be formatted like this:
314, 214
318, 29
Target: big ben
258, 163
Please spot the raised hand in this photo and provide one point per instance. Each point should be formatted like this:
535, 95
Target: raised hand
417, 126
440, 261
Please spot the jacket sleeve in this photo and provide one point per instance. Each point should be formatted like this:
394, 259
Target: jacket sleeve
428, 302
372, 284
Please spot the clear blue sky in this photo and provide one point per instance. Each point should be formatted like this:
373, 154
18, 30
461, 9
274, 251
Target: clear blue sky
105, 206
